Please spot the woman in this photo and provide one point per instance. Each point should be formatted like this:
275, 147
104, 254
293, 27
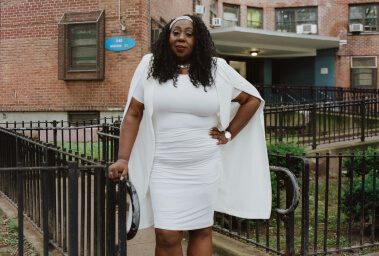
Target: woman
186, 143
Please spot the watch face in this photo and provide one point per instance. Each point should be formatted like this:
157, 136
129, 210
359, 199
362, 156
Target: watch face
228, 135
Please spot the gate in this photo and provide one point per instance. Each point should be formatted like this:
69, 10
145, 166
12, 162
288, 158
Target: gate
67, 197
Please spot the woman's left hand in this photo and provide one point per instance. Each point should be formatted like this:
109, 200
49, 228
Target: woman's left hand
220, 136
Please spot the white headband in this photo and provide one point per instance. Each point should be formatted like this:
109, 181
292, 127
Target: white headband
180, 18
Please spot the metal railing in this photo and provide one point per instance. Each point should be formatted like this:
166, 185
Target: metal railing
278, 233
326, 181
47, 184
322, 122
339, 185
286, 94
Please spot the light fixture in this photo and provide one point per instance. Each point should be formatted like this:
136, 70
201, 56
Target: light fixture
254, 53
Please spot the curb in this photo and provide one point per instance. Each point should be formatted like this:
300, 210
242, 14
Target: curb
226, 246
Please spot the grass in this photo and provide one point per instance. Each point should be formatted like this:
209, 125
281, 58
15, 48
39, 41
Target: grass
9, 238
314, 240
93, 150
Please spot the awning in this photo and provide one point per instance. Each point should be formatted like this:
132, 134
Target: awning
240, 41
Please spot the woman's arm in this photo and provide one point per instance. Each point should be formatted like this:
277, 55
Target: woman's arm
128, 134
249, 105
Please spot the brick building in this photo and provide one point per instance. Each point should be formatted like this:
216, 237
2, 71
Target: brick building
321, 43
54, 65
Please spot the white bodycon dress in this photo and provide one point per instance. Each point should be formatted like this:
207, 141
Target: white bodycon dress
187, 163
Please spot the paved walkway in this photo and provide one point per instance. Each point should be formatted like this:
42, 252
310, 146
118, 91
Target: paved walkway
144, 245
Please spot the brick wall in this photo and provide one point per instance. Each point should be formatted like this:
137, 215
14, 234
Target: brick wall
28, 52
170, 9
28, 63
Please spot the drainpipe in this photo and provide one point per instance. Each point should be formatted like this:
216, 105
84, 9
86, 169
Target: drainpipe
150, 25
119, 13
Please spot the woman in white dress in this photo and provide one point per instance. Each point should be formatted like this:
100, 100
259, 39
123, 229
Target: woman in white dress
171, 138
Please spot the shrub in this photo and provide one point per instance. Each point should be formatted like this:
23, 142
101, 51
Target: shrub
357, 197
358, 162
283, 149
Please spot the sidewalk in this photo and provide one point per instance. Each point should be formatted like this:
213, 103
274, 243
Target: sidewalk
144, 245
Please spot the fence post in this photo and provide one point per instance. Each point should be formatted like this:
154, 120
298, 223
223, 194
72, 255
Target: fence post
100, 210
111, 217
104, 139
73, 237
50, 186
122, 218
289, 219
45, 212
305, 209
55, 133
281, 125
363, 113
314, 125
20, 207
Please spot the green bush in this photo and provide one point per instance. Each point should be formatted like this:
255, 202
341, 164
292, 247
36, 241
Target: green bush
358, 162
283, 149
357, 197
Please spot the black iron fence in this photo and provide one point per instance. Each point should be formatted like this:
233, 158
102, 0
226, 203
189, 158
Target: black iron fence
67, 197
327, 219
338, 208
342, 204
322, 122
80, 137
308, 124
282, 94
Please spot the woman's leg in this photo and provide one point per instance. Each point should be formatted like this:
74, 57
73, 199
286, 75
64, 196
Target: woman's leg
168, 242
200, 242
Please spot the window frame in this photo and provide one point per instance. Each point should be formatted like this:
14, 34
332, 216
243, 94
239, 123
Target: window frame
364, 5
212, 12
231, 6
70, 49
296, 21
373, 73
247, 20
65, 56
79, 117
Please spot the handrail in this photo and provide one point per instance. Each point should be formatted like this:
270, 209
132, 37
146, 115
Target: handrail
295, 186
136, 210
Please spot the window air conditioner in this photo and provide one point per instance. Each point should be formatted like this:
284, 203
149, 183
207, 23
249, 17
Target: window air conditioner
217, 22
200, 9
356, 27
306, 29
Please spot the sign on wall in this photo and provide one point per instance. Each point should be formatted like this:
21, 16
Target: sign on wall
120, 43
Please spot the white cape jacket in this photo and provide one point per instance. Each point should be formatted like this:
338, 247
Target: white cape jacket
245, 186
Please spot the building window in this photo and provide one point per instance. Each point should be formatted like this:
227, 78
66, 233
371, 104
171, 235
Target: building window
363, 72
213, 12
290, 19
231, 15
82, 43
81, 46
366, 15
254, 17
79, 118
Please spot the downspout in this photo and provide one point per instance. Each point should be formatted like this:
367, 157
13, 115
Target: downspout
149, 25
119, 14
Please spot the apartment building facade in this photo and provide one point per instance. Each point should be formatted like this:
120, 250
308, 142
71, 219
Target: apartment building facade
57, 63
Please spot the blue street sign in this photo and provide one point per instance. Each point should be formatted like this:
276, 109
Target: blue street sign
120, 43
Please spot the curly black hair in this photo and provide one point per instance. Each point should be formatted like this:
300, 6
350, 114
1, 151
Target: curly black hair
163, 65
